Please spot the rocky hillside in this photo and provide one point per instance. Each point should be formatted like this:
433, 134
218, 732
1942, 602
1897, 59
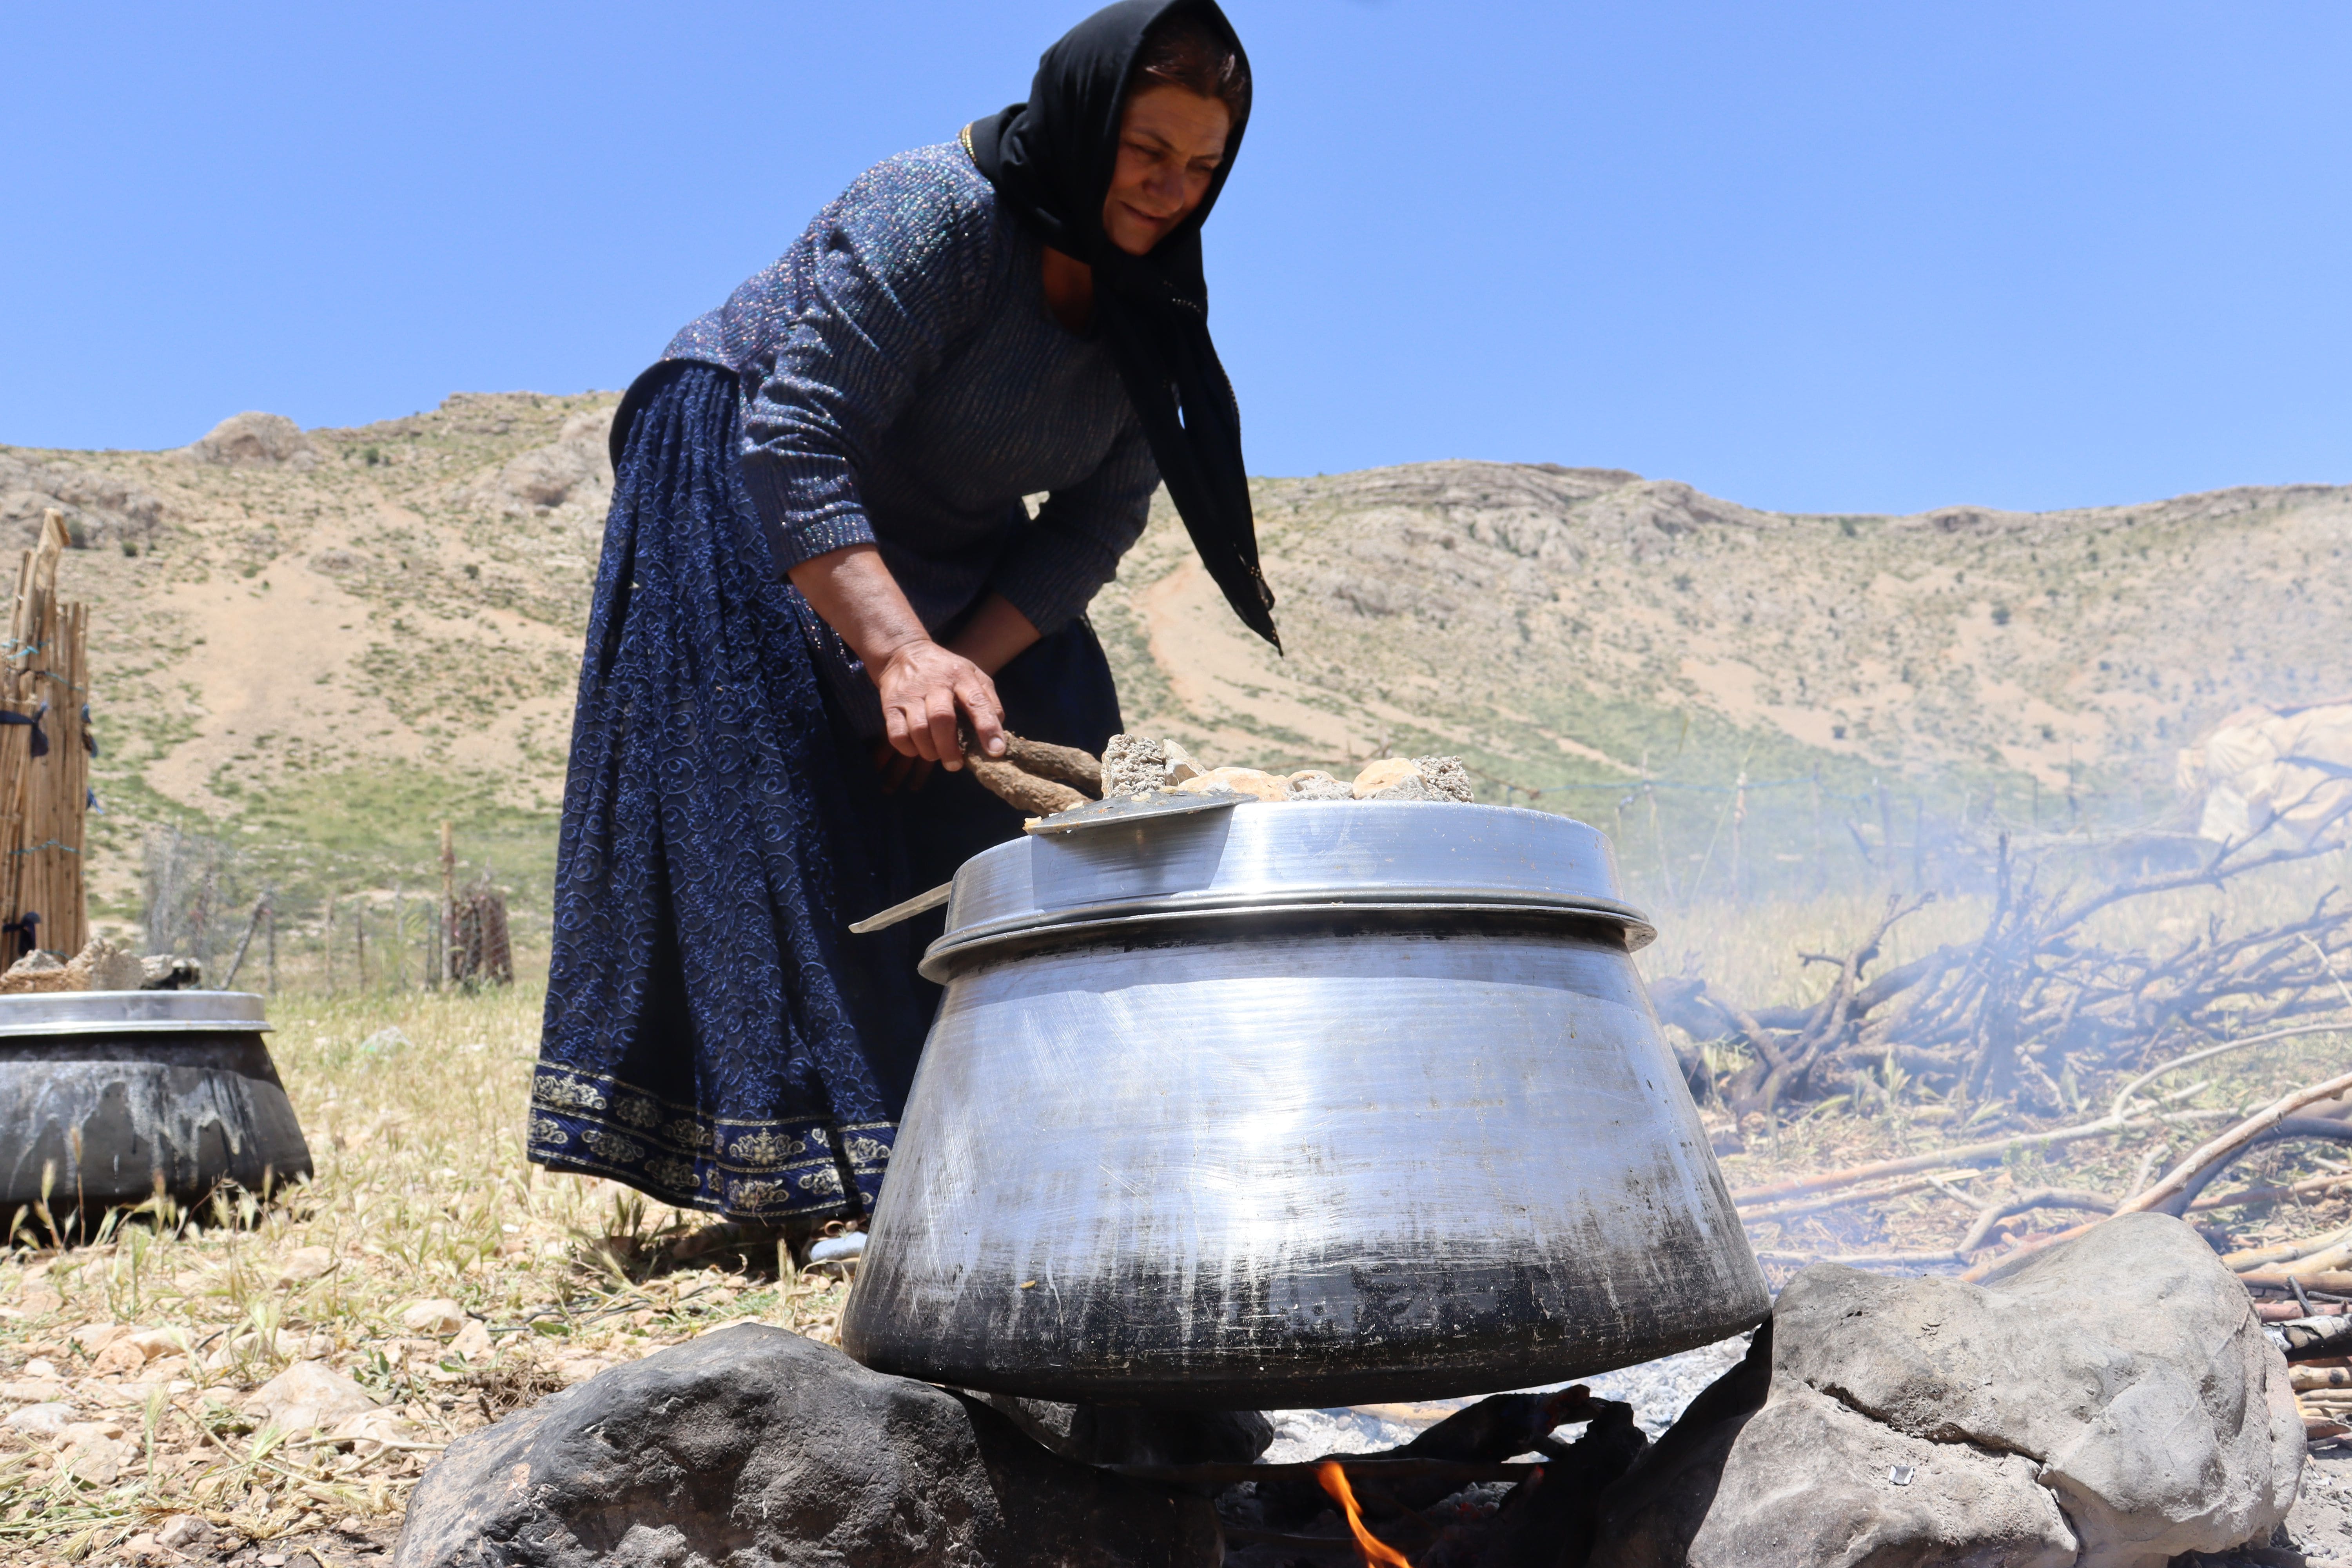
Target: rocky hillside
310, 647
1580, 627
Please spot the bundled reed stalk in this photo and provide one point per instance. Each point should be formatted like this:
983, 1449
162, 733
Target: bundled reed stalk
44, 799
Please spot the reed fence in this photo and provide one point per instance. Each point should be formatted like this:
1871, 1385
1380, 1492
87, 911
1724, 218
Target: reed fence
44, 751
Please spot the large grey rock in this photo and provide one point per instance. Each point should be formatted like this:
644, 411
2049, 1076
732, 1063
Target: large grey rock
99, 508
753, 1446
2111, 1404
254, 440
1797, 1480
571, 473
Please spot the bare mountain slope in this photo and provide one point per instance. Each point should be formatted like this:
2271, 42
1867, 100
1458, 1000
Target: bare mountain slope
320, 654
325, 643
1559, 625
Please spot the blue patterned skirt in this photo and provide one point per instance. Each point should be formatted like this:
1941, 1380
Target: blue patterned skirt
715, 1037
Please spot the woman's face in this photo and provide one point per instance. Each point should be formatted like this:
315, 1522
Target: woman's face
1170, 144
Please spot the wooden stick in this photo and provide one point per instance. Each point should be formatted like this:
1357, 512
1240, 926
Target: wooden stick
1873, 1195
2301, 1189
228, 981
2334, 1281
2293, 1312
2173, 1185
2285, 1251
1021, 790
1993, 1214
1965, 1154
1064, 764
2311, 1340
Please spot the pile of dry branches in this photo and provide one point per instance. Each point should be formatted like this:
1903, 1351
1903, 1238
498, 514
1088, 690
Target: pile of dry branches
2035, 1000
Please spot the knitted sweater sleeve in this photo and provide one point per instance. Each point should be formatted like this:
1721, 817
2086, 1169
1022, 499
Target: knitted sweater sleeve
865, 306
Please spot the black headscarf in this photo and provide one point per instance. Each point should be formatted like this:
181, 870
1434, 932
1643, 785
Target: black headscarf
1051, 161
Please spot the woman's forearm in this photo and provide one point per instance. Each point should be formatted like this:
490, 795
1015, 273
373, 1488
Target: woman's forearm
928, 691
995, 634
856, 593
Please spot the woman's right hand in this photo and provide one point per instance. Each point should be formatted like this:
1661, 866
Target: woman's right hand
927, 693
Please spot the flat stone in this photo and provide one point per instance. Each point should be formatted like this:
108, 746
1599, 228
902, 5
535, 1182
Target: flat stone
154, 1343
751, 1447
44, 1420
306, 1263
122, 1356
1807, 1483
1385, 777
95, 1337
96, 1460
1241, 780
311, 1393
439, 1317
184, 1531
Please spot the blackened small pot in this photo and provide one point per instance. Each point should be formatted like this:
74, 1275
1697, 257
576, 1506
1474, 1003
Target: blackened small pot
109, 1097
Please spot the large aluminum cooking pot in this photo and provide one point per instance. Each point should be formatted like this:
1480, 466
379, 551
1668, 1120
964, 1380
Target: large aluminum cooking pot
109, 1097
1296, 1104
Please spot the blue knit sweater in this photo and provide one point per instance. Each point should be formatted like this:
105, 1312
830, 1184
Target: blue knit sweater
904, 384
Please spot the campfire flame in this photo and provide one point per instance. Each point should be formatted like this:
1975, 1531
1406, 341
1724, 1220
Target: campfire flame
1377, 1553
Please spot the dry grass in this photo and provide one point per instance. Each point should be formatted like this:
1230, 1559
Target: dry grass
422, 1191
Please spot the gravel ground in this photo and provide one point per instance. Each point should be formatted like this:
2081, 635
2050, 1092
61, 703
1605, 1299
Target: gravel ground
1657, 1390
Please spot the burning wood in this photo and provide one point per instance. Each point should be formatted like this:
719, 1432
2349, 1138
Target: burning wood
1334, 1480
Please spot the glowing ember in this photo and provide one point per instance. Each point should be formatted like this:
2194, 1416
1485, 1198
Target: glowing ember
1376, 1551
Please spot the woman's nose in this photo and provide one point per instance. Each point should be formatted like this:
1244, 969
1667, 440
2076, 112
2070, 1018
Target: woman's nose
1166, 189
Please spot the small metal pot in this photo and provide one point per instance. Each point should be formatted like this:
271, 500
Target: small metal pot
108, 1097
1296, 1104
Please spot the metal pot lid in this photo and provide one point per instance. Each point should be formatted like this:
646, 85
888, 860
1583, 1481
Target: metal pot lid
64, 1013
1266, 855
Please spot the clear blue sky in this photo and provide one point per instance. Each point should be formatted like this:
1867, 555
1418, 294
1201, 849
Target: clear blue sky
1856, 258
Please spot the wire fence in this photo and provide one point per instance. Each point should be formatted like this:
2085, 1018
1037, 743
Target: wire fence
237, 914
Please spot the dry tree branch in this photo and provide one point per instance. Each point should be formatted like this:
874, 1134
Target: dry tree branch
1873, 1195
1993, 1213
1064, 764
2309, 1187
2123, 1096
2175, 1183
1963, 1155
